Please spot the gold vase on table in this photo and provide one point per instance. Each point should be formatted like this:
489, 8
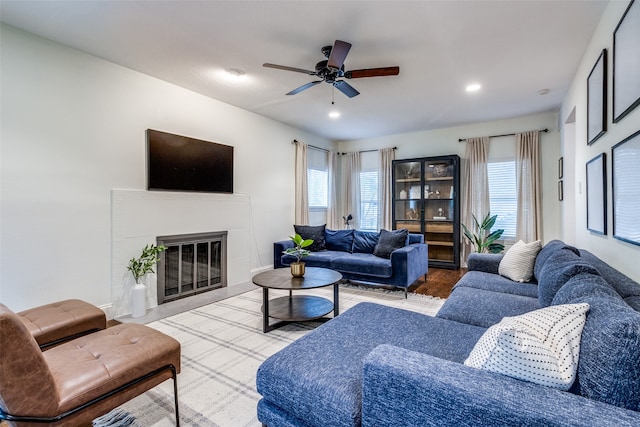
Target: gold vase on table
297, 269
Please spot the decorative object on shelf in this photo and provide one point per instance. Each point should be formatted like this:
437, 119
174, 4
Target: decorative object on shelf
597, 99
139, 267
597, 194
426, 192
626, 67
484, 240
412, 214
403, 194
298, 251
347, 221
414, 192
437, 194
451, 193
440, 169
626, 191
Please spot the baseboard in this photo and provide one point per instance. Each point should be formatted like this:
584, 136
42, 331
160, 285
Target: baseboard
108, 310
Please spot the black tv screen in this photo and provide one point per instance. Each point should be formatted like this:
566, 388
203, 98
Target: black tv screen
179, 163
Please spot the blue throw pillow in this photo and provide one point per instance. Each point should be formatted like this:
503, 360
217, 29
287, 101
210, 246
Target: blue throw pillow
389, 241
313, 232
338, 240
364, 241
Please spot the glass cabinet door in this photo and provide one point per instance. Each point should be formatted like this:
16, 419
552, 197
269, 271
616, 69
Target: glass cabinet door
440, 208
407, 195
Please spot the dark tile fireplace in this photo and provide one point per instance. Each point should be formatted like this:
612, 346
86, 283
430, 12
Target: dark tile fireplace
192, 264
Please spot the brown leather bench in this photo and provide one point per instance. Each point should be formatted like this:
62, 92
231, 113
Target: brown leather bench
77, 381
62, 321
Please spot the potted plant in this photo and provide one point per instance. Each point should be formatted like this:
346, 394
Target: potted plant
139, 267
298, 251
484, 240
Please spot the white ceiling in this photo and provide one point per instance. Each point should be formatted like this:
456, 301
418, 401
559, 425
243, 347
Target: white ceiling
513, 48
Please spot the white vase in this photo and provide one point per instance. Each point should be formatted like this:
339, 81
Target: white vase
138, 300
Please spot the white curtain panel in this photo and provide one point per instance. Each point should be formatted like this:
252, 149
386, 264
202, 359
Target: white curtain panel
302, 198
352, 186
475, 187
385, 158
529, 218
334, 219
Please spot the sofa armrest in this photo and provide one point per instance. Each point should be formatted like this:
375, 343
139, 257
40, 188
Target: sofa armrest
409, 263
487, 263
278, 248
407, 388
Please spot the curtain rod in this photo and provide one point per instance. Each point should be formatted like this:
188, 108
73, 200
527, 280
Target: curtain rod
295, 141
505, 134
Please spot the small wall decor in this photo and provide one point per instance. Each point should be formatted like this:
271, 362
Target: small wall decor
626, 62
597, 194
626, 191
597, 99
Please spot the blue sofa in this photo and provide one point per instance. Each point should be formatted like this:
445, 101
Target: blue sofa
379, 366
351, 252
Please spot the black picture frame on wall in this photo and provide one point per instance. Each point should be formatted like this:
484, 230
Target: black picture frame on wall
625, 159
597, 99
626, 62
597, 194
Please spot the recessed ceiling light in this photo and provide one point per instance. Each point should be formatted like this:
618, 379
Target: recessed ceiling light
334, 114
474, 87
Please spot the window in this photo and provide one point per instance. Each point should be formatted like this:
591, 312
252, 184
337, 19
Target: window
369, 203
317, 182
503, 197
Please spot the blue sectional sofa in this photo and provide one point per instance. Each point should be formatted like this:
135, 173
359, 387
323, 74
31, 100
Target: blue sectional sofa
379, 366
351, 252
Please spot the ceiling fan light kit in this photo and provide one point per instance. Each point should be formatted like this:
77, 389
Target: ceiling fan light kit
332, 70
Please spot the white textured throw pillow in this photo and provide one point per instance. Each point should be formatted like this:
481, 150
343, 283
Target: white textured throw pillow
517, 264
541, 346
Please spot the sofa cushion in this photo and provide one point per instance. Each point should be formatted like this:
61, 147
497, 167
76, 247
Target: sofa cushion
338, 240
484, 308
313, 232
389, 241
557, 271
541, 346
496, 283
364, 241
610, 349
547, 252
366, 264
318, 378
517, 263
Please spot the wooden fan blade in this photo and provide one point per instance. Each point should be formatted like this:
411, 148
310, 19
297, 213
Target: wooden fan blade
304, 87
284, 67
338, 54
346, 88
372, 72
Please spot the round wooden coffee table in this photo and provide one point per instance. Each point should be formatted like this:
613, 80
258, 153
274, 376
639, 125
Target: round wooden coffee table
297, 308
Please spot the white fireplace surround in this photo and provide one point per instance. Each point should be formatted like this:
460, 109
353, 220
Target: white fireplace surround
138, 217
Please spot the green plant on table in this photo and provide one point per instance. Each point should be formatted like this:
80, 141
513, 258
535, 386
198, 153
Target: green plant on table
484, 240
298, 250
145, 262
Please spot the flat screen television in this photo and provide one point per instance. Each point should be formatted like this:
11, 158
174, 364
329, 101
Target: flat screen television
179, 163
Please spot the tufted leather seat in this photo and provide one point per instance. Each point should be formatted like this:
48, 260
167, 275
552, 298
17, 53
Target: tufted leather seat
77, 381
61, 321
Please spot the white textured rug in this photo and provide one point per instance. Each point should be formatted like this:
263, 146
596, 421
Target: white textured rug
222, 348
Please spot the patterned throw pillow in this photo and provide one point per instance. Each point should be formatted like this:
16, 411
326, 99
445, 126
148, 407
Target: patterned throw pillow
541, 346
313, 232
389, 241
517, 264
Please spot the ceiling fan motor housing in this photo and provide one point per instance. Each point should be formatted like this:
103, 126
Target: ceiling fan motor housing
328, 74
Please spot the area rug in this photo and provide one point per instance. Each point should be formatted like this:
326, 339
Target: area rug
222, 348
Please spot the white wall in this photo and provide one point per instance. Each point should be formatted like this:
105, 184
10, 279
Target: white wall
445, 141
621, 255
73, 129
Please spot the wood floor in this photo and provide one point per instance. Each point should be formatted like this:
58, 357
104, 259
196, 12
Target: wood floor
439, 282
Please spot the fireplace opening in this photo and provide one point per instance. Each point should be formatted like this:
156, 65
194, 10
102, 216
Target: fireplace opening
192, 264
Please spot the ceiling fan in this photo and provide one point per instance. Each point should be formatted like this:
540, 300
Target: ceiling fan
332, 69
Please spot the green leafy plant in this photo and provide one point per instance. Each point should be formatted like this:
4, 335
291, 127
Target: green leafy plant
298, 250
484, 240
145, 262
